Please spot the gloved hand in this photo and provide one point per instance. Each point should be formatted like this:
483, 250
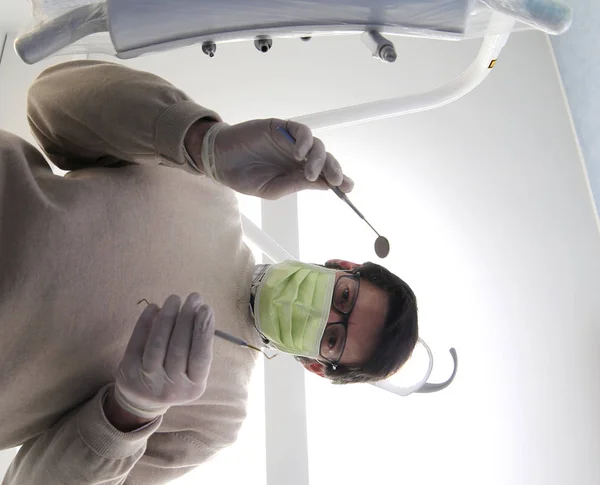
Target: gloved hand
254, 158
168, 358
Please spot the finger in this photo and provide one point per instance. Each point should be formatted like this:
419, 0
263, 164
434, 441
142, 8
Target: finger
158, 341
304, 139
141, 332
333, 171
201, 352
347, 184
176, 360
290, 184
315, 160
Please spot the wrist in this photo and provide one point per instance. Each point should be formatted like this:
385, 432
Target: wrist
194, 138
120, 418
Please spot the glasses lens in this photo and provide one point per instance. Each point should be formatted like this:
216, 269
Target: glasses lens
333, 342
345, 293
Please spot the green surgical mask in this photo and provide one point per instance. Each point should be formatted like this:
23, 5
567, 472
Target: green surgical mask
292, 304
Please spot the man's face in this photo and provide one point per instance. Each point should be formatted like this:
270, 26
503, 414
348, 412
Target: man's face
364, 325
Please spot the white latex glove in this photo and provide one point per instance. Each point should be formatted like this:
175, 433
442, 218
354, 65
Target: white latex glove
254, 158
168, 358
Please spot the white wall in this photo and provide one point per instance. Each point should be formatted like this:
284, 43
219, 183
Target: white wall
6, 457
490, 220
487, 208
15, 15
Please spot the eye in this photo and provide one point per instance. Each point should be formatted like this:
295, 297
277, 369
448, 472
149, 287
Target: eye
332, 344
344, 297
332, 341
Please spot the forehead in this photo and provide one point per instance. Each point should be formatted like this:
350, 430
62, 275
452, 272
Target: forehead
365, 324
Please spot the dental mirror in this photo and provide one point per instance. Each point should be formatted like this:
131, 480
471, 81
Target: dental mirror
382, 245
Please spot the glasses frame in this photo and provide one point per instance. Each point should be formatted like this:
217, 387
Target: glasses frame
355, 275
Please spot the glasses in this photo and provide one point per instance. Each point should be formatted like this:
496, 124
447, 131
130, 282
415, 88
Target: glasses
345, 295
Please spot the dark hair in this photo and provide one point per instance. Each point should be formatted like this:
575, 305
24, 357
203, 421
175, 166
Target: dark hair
398, 337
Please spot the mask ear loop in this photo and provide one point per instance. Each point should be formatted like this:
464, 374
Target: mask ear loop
231, 338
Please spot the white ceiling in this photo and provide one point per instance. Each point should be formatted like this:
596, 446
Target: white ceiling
15, 15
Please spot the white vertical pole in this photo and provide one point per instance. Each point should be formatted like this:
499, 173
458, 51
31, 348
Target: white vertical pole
285, 399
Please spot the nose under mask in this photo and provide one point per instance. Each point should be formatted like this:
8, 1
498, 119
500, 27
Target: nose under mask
291, 306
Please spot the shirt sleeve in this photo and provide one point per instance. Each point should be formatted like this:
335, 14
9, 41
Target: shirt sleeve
92, 113
83, 448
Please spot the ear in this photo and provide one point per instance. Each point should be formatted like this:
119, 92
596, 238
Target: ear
315, 368
347, 265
